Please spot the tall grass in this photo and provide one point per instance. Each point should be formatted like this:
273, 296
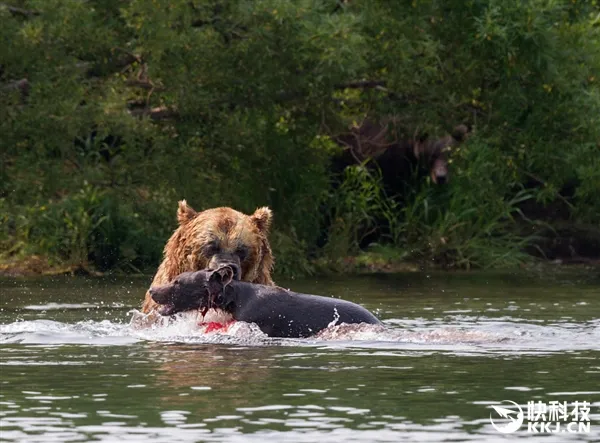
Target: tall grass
475, 221
355, 211
92, 229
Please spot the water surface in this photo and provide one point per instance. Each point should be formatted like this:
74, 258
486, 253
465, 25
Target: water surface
73, 369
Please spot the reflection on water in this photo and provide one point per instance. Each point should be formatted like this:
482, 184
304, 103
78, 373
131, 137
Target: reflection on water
73, 369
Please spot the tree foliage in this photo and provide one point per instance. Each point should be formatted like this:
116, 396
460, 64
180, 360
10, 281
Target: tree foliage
112, 110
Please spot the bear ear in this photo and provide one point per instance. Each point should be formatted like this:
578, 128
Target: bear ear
420, 144
262, 219
185, 213
460, 132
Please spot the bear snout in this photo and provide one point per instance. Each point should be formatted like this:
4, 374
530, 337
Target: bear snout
439, 171
441, 179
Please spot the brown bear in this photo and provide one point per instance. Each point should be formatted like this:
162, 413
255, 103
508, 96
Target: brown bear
216, 237
401, 160
397, 156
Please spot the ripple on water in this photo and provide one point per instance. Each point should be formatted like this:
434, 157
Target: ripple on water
60, 306
323, 429
406, 381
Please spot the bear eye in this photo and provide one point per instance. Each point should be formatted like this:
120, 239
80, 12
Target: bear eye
211, 249
241, 252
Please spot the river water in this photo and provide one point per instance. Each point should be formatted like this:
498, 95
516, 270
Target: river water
72, 367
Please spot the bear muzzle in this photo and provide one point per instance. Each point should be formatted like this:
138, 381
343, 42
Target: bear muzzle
439, 171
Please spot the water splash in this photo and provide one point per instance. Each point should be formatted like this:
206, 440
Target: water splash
50, 332
484, 335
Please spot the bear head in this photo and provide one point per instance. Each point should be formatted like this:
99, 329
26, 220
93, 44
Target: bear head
221, 236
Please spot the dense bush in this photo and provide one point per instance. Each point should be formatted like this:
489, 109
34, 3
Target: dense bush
113, 110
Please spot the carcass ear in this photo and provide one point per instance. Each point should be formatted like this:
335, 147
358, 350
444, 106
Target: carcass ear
222, 276
185, 213
262, 219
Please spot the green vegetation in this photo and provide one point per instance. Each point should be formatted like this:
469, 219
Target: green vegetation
112, 110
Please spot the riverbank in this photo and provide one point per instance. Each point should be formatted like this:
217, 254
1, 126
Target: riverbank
36, 265
364, 263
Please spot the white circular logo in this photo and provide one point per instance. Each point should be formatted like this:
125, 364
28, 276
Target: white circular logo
514, 417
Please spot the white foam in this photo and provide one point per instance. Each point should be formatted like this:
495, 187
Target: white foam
486, 335
47, 332
336, 318
189, 327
